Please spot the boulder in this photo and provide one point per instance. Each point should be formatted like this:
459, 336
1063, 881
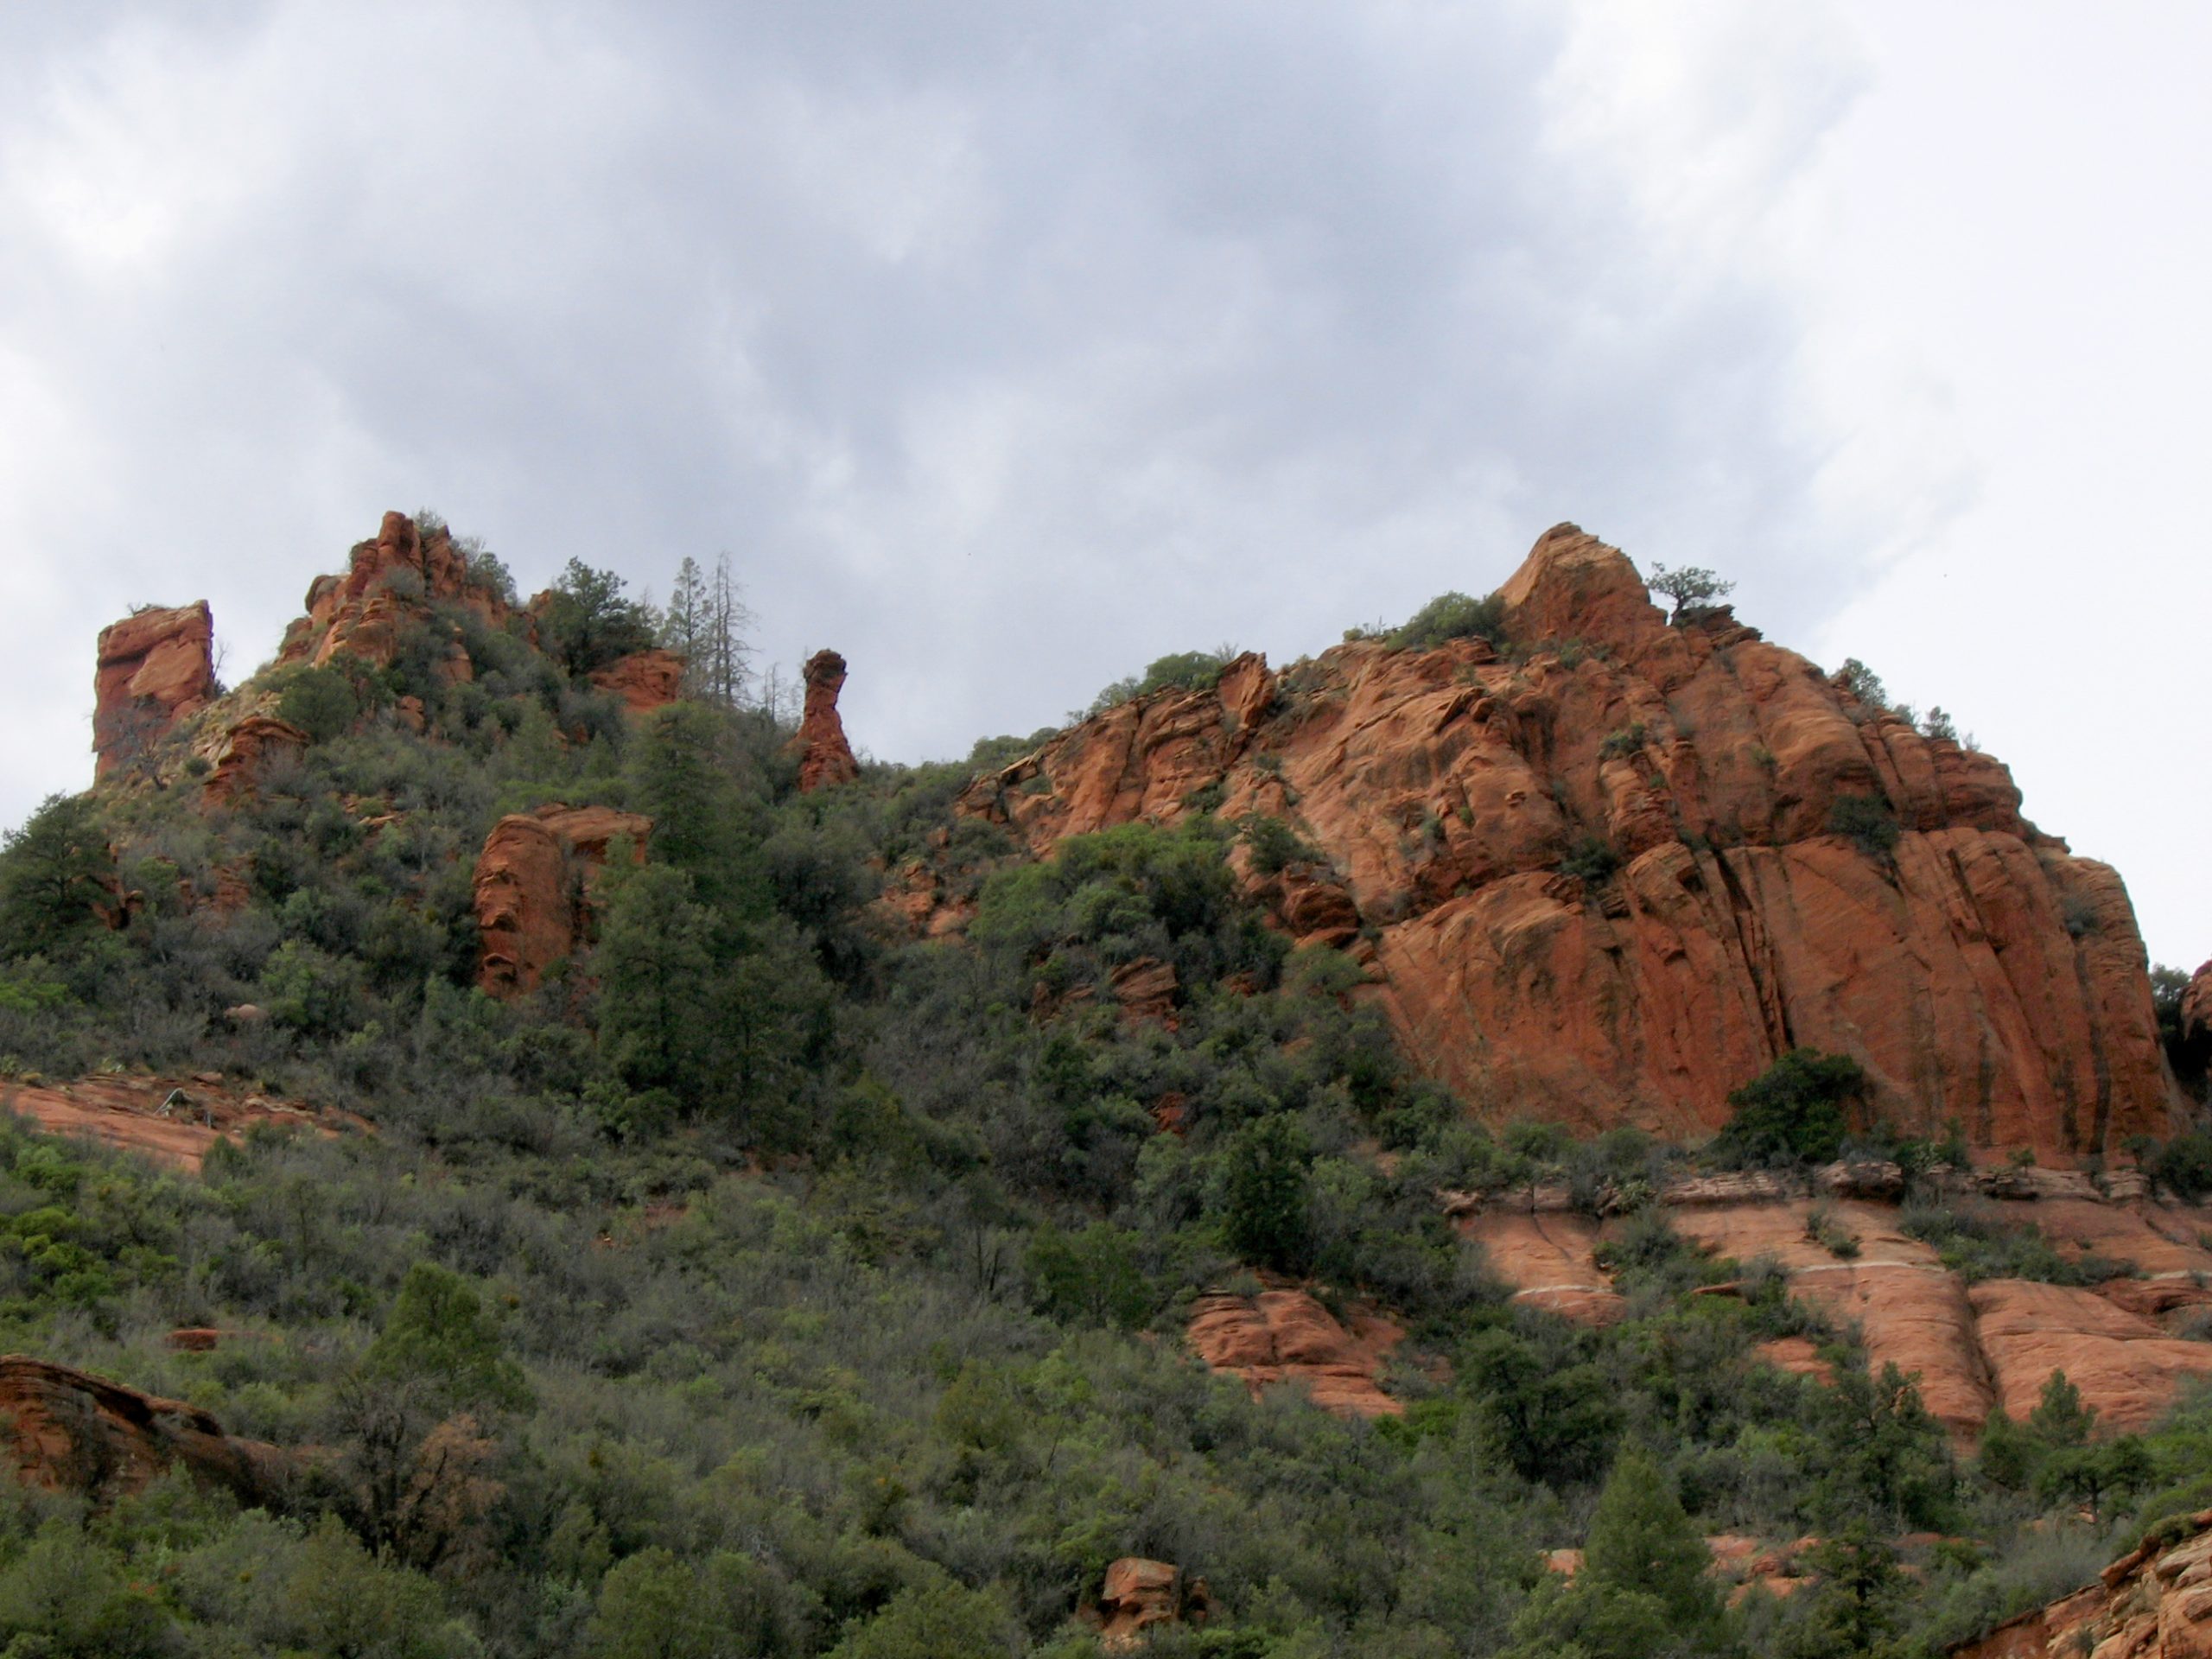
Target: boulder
644, 680
154, 668
1284, 1335
1140, 1594
68, 1431
533, 889
1976, 970
825, 759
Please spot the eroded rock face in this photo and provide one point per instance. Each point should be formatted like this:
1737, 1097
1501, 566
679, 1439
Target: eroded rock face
1978, 971
68, 1431
644, 680
390, 584
2153, 1603
2128, 1369
154, 667
533, 889
1285, 1336
825, 759
249, 750
1140, 1594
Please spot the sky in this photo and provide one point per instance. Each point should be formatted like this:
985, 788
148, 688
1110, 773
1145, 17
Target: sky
1007, 347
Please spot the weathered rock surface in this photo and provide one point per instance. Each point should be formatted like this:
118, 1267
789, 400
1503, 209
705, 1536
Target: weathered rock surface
825, 759
68, 1431
173, 1121
1138, 1595
644, 680
2153, 1603
2128, 1369
247, 752
390, 582
154, 668
533, 889
1285, 1336
1978, 971
1972, 1348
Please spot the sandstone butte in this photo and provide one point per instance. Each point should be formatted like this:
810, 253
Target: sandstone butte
68, 1431
154, 667
389, 583
1978, 972
825, 759
2155, 1602
533, 887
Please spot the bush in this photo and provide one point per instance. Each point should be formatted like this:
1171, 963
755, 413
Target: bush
1793, 1112
1867, 821
1452, 616
1590, 861
1193, 670
320, 702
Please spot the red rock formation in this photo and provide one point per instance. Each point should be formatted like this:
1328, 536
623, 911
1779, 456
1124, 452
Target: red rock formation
1285, 1336
533, 889
2196, 1007
1139, 1594
2128, 1369
390, 582
155, 667
825, 759
68, 1431
2155, 1602
1977, 972
1550, 1261
248, 749
644, 680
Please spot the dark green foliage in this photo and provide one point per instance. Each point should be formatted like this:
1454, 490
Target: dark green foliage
2184, 1164
1265, 1170
1864, 683
1191, 671
1641, 1541
437, 1333
1274, 846
54, 871
2189, 1053
1982, 1241
1694, 589
1795, 1111
1592, 860
1452, 616
320, 702
1867, 822
590, 622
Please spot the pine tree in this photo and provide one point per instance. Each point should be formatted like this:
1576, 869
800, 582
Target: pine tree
1641, 1540
685, 625
54, 872
725, 651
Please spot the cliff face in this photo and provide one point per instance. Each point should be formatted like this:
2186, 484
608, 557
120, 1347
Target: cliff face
1595, 880
154, 669
533, 889
2153, 1603
388, 580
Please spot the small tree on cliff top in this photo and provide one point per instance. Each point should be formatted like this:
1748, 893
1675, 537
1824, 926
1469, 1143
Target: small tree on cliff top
1694, 588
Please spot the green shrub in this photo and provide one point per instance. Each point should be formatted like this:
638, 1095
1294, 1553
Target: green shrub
1591, 861
1193, 670
320, 702
1452, 616
1273, 845
1793, 1112
1867, 821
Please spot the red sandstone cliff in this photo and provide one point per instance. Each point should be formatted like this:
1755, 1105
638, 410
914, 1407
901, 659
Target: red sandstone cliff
154, 667
1978, 972
2155, 1602
825, 759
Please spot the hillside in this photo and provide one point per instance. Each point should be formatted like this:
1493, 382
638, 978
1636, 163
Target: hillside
1553, 1130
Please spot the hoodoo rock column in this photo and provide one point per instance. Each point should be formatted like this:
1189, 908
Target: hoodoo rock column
825, 759
154, 667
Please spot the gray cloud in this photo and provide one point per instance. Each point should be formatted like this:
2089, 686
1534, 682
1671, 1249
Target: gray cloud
1004, 347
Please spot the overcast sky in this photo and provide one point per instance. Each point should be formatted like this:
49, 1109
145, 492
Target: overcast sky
1008, 346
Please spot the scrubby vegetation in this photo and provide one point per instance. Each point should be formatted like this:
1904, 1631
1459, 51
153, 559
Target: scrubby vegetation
769, 1284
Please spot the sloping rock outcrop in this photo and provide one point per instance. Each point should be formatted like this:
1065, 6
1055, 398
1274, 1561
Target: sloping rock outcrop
533, 889
68, 1431
1974, 1347
174, 1121
246, 750
825, 759
154, 667
2155, 1602
1284, 1335
1599, 881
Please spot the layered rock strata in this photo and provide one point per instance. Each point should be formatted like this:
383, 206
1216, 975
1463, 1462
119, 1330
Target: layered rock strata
1613, 875
2155, 1602
154, 667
